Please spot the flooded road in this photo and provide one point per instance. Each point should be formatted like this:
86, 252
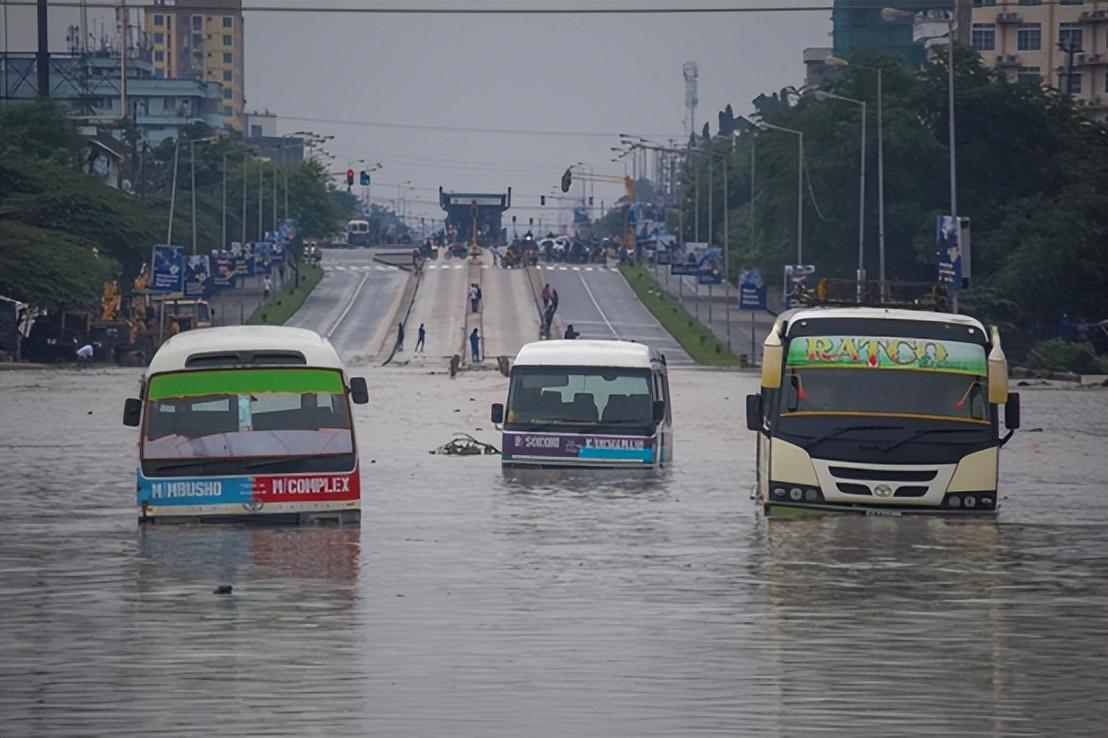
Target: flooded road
548, 604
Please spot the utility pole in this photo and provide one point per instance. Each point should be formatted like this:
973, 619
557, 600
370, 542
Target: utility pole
42, 57
261, 196
242, 236
1069, 48
124, 16
192, 180
173, 189
223, 191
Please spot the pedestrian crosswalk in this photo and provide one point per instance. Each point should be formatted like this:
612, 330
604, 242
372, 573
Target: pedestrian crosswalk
450, 266
359, 268
554, 267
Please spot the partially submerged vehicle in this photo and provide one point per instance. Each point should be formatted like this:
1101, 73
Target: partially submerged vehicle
880, 411
587, 404
247, 424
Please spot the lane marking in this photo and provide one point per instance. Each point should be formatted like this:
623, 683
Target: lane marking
459, 266
341, 268
588, 269
349, 306
576, 269
597, 306
563, 269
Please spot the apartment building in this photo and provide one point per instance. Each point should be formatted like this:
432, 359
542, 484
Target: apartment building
1061, 43
201, 40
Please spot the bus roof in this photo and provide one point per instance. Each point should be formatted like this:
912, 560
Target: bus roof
877, 313
587, 353
174, 353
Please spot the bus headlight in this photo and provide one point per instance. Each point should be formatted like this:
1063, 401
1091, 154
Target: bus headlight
970, 501
811, 495
954, 501
795, 494
779, 492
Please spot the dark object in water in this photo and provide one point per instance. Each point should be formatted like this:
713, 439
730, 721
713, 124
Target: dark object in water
223, 589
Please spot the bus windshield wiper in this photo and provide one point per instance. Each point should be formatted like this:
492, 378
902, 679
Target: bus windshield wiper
847, 429
920, 434
185, 464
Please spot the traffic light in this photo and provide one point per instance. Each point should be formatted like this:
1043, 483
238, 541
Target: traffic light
590, 201
542, 200
567, 180
364, 178
349, 177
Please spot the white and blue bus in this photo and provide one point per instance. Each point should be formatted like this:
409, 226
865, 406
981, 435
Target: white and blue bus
357, 233
247, 424
587, 404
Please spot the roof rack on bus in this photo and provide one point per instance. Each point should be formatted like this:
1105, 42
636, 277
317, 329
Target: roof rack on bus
834, 292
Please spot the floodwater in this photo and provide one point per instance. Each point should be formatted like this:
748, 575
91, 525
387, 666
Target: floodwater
553, 604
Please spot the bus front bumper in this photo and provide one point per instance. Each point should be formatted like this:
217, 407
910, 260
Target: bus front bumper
954, 505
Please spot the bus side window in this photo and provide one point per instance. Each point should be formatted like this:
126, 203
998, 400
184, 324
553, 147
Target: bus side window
792, 395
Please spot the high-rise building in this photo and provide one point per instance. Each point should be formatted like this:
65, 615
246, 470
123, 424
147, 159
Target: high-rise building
203, 40
859, 28
1060, 43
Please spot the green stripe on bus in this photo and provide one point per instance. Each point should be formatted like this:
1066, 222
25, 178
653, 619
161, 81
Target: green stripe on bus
243, 381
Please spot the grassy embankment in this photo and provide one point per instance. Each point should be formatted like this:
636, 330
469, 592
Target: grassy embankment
288, 299
697, 340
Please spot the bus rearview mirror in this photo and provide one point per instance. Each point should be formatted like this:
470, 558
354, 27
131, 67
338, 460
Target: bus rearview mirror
497, 414
359, 393
659, 411
1012, 411
132, 411
754, 412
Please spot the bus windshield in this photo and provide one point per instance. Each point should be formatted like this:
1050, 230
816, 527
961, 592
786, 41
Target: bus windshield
882, 376
579, 397
240, 413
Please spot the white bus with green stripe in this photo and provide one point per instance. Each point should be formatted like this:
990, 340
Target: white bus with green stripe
880, 411
247, 423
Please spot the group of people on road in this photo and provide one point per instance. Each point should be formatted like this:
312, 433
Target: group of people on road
421, 338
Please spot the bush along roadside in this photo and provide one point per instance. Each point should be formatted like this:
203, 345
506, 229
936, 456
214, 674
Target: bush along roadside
697, 340
1065, 356
286, 301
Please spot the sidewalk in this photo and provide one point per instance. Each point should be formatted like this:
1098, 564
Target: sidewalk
708, 303
235, 306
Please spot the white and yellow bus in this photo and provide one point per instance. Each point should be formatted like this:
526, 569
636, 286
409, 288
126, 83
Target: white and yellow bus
880, 411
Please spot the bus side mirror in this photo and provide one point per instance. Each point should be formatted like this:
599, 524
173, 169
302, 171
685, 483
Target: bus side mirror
359, 393
659, 411
754, 412
1012, 411
497, 414
132, 411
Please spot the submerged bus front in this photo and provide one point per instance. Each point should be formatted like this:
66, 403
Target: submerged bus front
880, 411
235, 428
586, 404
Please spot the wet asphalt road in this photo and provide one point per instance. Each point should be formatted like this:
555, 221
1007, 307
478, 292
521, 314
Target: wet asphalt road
552, 604
354, 302
599, 303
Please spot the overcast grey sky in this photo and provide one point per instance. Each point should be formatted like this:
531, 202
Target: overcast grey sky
575, 73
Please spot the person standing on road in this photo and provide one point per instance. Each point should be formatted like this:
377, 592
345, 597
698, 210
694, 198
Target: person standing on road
473, 298
267, 287
570, 334
475, 346
554, 300
421, 338
399, 337
545, 295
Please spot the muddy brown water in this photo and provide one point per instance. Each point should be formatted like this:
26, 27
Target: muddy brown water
546, 604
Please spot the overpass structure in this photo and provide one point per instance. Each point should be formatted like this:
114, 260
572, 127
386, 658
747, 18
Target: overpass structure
475, 216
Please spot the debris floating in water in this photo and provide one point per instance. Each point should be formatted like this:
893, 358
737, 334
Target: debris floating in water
463, 444
223, 589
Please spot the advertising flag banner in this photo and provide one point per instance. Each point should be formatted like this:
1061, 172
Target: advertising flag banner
797, 277
198, 281
752, 290
948, 253
685, 259
168, 268
263, 259
709, 266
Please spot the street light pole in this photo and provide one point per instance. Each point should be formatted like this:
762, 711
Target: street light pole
861, 275
799, 187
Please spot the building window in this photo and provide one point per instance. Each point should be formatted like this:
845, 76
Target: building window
1069, 36
159, 38
1029, 74
159, 74
1073, 2
159, 56
226, 94
984, 36
1031, 2
226, 22
158, 20
197, 39
1074, 82
228, 111
226, 58
197, 23
1029, 37
226, 39
984, 3
226, 75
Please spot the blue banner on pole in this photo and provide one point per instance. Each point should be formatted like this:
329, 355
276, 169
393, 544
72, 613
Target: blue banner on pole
263, 260
168, 268
752, 290
795, 290
198, 281
948, 255
709, 266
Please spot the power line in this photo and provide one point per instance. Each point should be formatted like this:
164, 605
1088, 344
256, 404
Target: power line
467, 129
